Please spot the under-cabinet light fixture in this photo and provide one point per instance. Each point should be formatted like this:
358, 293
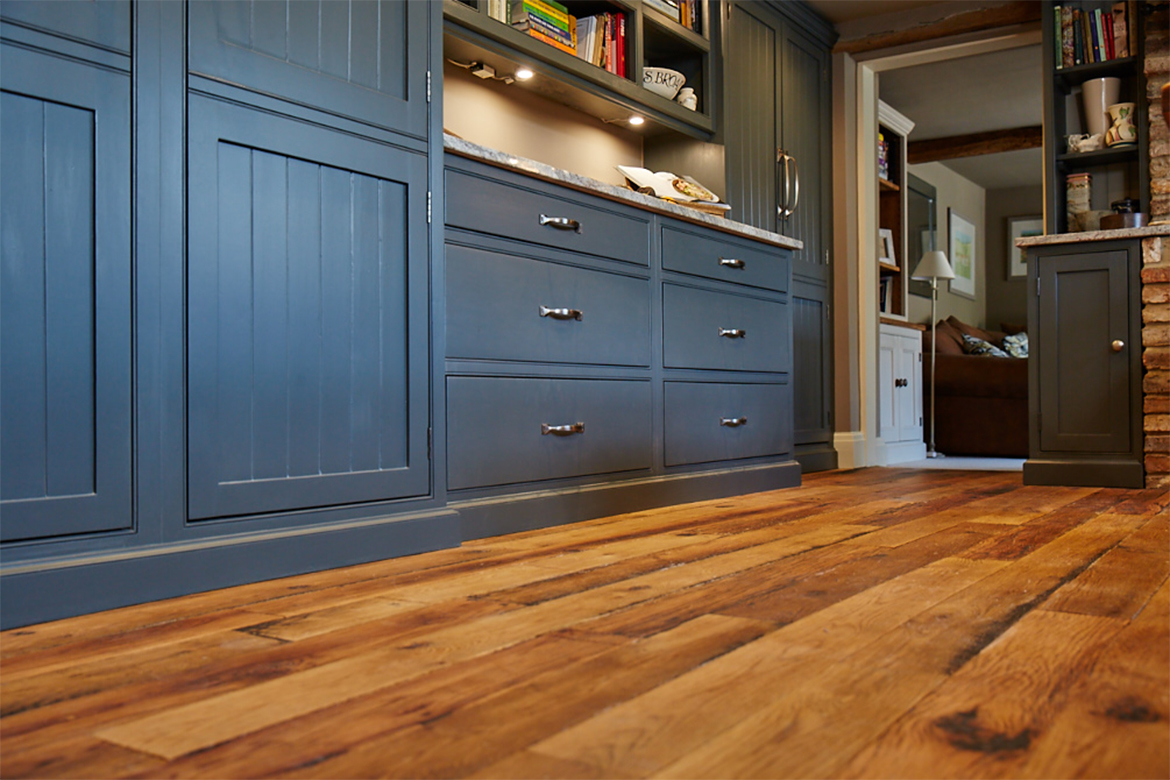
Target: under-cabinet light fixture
636, 120
523, 74
487, 72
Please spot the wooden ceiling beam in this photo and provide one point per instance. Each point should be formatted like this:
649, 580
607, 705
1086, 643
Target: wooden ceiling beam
956, 146
1006, 15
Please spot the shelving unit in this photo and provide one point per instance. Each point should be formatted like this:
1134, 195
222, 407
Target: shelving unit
652, 38
1116, 173
894, 128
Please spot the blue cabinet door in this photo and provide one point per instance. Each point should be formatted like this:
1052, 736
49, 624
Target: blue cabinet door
65, 348
104, 23
362, 59
307, 316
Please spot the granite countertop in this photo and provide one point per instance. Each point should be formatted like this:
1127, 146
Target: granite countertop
459, 146
1094, 235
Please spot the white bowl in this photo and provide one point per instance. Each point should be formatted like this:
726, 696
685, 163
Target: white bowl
663, 81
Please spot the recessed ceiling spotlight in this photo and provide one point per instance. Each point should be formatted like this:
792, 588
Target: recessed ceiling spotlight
636, 120
524, 73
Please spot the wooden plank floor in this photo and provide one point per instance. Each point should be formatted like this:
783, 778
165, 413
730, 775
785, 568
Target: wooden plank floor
876, 623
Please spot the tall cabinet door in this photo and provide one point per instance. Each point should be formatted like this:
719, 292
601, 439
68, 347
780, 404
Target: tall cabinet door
1084, 367
777, 103
65, 280
361, 59
307, 315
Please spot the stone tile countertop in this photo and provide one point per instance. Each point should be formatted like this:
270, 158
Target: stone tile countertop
539, 170
1095, 235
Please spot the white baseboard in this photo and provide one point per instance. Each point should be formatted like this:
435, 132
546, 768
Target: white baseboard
850, 446
903, 451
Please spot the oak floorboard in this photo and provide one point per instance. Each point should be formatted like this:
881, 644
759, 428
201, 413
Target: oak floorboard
833, 615
492, 728
641, 736
1117, 722
983, 720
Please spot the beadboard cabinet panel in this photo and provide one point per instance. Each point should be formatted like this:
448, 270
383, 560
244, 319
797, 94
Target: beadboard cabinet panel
307, 321
810, 335
104, 23
362, 59
65, 281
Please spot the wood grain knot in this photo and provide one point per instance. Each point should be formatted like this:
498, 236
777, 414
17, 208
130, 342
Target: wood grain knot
964, 732
1133, 710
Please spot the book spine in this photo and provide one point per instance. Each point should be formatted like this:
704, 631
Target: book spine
1078, 38
538, 35
543, 9
666, 7
1066, 37
1107, 23
537, 23
1094, 43
1120, 33
1057, 38
621, 49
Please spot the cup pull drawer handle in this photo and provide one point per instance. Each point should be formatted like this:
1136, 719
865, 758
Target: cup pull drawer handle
561, 223
561, 314
561, 430
731, 262
732, 333
733, 422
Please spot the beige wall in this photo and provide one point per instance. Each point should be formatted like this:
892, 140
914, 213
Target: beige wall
507, 118
969, 200
1007, 299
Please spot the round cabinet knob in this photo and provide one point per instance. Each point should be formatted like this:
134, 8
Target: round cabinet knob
1118, 345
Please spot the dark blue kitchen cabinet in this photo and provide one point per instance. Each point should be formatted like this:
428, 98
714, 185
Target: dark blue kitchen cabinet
307, 315
100, 23
361, 59
65, 277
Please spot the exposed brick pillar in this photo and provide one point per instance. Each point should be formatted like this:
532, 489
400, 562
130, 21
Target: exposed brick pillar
1156, 259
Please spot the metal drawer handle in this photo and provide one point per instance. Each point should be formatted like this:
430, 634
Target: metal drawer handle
733, 422
561, 430
561, 314
731, 262
561, 223
733, 333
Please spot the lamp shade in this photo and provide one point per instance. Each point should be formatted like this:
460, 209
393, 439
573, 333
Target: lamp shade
933, 265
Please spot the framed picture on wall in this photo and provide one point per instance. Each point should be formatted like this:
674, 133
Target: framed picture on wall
962, 254
1020, 227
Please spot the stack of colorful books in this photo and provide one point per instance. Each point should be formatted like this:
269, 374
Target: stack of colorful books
601, 41
1090, 35
547, 21
685, 12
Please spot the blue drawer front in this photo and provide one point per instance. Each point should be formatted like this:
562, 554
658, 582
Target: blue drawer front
494, 305
708, 422
716, 257
494, 429
694, 319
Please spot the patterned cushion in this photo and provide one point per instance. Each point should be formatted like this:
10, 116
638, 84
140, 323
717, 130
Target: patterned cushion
974, 346
1016, 345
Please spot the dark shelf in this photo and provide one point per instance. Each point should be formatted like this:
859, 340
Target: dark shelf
1072, 160
1067, 78
471, 35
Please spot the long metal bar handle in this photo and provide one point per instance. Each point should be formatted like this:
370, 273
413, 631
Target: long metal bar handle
562, 430
561, 223
561, 314
731, 262
795, 187
733, 422
733, 333
782, 206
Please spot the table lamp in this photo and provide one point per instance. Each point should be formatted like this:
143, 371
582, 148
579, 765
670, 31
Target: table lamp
933, 266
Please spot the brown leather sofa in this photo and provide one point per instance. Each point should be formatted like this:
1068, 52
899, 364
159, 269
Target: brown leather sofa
981, 402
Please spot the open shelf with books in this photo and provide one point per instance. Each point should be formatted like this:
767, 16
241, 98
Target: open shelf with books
608, 87
1093, 45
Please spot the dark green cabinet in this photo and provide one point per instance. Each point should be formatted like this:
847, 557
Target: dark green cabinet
776, 120
1085, 365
